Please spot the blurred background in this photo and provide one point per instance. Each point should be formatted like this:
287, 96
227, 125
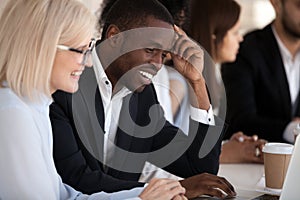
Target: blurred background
255, 13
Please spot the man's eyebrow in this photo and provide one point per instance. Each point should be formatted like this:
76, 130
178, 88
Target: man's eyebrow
158, 45
154, 44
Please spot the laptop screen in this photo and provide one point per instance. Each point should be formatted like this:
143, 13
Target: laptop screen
290, 188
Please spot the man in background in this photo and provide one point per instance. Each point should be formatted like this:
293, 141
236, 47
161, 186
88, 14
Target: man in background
262, 85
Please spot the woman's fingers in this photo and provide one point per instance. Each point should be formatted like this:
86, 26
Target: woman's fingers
161, 189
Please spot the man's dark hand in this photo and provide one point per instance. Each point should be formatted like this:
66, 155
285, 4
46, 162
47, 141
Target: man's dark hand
207, 184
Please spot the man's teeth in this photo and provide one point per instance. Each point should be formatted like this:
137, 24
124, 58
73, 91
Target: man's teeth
146, 75
77, 73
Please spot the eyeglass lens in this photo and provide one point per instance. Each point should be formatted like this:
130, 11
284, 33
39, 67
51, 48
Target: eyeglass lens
88, 52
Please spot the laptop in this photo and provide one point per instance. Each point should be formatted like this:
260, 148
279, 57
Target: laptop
290, 189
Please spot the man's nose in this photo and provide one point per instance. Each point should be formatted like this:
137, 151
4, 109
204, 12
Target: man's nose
157, 66
157, 61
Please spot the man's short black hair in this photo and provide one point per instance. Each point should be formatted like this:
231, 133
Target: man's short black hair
103, 11
129, 14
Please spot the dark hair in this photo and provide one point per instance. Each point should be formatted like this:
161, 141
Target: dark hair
128, 14
212, 17
179, 9
103, 11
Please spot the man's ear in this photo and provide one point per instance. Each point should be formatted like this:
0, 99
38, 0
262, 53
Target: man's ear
112, 34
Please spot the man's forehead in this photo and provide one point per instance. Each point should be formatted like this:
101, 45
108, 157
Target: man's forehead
135, 39
146, 37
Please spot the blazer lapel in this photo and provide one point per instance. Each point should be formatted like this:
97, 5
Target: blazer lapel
99, 108
126, 129
127, 122
274, 60
297, 106
88, 118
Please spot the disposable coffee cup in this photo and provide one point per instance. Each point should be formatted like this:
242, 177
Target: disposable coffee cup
276, 161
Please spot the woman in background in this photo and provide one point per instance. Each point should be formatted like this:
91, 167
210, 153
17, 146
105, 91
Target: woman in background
214, 24
45, 46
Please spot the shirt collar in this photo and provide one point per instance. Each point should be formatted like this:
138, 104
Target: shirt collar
102, 77
122, 93
282, 48
42, 101
98, 68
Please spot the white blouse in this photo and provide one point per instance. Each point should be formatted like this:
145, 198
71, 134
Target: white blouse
27, 169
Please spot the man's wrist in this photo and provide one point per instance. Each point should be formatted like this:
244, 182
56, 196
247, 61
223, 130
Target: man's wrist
198, 94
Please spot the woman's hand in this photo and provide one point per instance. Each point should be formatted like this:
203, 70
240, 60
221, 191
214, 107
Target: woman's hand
163, 189
242, 149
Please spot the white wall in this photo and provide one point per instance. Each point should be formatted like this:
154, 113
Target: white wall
94, 5
255, 13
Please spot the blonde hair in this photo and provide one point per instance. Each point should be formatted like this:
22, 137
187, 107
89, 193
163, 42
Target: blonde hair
29, 33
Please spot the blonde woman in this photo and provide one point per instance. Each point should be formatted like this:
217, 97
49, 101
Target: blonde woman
45, 46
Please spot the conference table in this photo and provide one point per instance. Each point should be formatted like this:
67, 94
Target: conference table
248, 179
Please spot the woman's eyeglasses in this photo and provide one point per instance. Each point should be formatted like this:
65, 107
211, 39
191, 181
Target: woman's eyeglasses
86, 53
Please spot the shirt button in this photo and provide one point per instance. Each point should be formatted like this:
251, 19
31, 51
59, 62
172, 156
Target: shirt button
209, 119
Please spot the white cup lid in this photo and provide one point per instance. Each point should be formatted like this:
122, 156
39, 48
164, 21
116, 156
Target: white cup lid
278, 148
